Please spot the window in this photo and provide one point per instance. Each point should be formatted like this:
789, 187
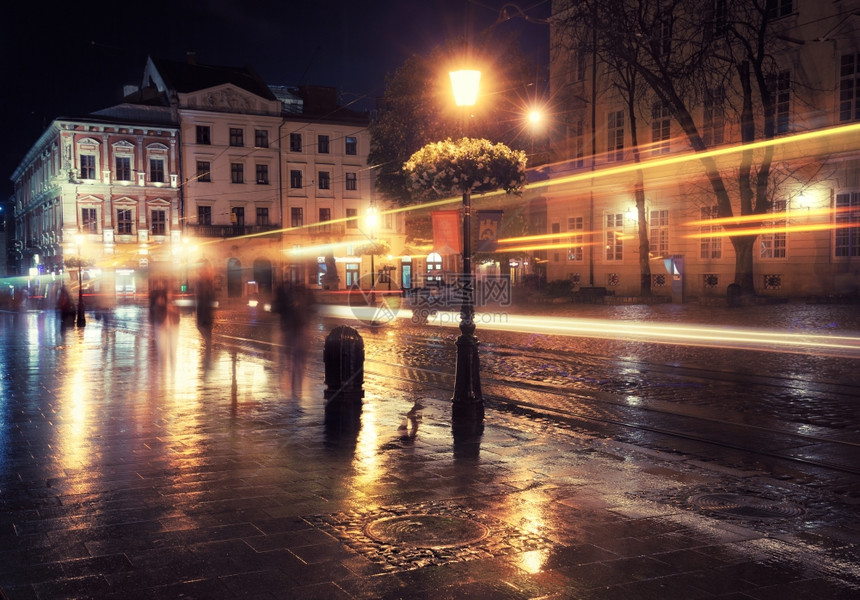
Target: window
204, 171
847, 225
237, 216
158, 222
659, 234
351, 182
325, 218
204, 215
577, 132
322, 144
295, 142
297, 216
779, 86
123, 168
237, 136
88, 166
662, 40
556, 228
615, 132
779, 8
204, 135
710, 246
124, 221
261, 138
295, 179
849, 88
237, 173
263, 174
352, 274
660, 128
352, 218
714, 117
324, 180
773, 237
575, 226
262, 215
614, 236
89, 220
578, 64
721, 18
156, 170
351, 145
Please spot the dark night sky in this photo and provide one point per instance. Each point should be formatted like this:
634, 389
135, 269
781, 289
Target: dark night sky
76, 60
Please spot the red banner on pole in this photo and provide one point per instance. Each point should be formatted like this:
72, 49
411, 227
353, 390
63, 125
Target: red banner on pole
446, 231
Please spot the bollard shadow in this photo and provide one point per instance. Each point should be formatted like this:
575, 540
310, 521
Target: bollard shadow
342, 425
467, 435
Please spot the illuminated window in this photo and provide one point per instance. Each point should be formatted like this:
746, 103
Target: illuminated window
204, 171
660, 128
659, 234
297, 218
351, 182
204, 215
237, 173
158, 222
295, 179
575, 225
88, 166
849, 88
89, 220
156, 170
261, 138
124, 221
295, 142
615, 136
847, 225
773, 240
237, 136
614, 236
322, 144
351, 145
204, 135
710, 247
123, 168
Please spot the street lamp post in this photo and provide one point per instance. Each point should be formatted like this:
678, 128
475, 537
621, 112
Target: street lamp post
81, 317
467, 403
372, 220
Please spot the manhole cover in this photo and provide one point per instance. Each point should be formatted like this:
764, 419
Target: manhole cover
426, 531
747, 507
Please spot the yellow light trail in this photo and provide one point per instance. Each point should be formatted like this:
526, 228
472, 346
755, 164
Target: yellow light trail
797, 213
772, 229
544, 247
706, 336
542, 236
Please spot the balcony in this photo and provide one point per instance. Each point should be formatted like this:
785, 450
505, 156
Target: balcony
228, 231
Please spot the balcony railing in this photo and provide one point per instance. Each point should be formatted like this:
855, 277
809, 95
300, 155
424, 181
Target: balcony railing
227, 231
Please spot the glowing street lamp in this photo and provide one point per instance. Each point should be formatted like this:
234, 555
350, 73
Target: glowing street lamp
467, 403
81, 318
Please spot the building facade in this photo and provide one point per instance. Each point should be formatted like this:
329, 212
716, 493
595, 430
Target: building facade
205, 165
807, 241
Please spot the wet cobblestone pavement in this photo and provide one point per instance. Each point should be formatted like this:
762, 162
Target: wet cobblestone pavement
122, 476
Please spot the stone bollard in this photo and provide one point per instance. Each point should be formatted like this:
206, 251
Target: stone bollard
344, 366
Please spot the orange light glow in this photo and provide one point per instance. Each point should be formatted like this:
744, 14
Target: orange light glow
816, 212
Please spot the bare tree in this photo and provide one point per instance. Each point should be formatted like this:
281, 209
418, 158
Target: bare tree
687, 52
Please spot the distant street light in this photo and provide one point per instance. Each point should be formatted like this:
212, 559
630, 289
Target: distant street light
81, 318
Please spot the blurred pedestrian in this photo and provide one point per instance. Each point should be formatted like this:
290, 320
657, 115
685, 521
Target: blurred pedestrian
296, 306
65, 307
164, 316
206, 301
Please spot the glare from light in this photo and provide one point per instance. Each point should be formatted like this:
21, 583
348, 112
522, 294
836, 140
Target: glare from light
465, 83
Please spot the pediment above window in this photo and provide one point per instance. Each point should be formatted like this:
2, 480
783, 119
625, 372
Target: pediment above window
227, 98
